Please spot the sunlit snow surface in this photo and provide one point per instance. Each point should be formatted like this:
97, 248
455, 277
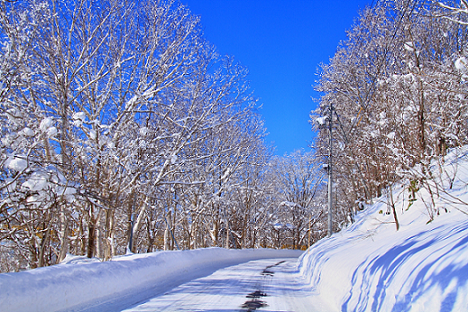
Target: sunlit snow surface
90, 285
422, 267
266, 285
367, 267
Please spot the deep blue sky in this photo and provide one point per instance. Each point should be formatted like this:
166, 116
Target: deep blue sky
282, 43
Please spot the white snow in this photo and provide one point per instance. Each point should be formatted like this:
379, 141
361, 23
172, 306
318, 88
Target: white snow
409, 46
226, 174
81, 116
92, 134
367, 267
422, 267
37, 182
112, 285
461, 64
47, 127
51, 132
27, 132
173, 159
16, 163
272, 284
321, 120
144, 131
46, 123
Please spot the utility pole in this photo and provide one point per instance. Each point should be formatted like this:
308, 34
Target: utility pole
330, 177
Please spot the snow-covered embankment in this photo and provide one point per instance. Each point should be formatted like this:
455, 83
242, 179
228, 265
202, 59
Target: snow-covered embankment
422, 267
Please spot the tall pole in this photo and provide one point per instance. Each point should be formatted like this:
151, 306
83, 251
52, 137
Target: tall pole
330, 178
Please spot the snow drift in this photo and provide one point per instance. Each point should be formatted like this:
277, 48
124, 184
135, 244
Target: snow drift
422, 267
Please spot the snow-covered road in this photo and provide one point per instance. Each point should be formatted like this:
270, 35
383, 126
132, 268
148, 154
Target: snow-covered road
89, 285
266, 285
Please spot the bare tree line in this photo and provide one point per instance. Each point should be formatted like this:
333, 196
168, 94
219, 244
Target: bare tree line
123, 130
399, 95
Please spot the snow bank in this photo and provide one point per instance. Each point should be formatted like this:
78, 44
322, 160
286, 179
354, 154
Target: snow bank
94, 286
422, 267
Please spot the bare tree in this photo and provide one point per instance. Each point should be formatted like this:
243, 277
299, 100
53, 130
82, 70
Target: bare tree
396, 87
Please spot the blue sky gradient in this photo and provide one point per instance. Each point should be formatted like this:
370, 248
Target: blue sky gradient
282, 43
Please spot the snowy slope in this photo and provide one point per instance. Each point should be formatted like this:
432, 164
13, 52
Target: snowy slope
116, 284
422, 267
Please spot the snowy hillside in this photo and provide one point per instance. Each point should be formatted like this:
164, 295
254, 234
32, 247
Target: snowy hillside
422, 267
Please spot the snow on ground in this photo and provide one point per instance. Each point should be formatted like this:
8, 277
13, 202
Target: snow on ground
118, 284
368, 267
422, 267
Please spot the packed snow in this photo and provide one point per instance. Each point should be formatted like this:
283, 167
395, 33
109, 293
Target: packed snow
263, 285
367, 267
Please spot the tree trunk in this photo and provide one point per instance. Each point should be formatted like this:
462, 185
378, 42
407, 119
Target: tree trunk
253, 239
98, 240
109, 234
227, 234
32, 253
63, 234
82, 238
91, 237
194, 235
167, 234
150, 236
45, 238
392, 205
